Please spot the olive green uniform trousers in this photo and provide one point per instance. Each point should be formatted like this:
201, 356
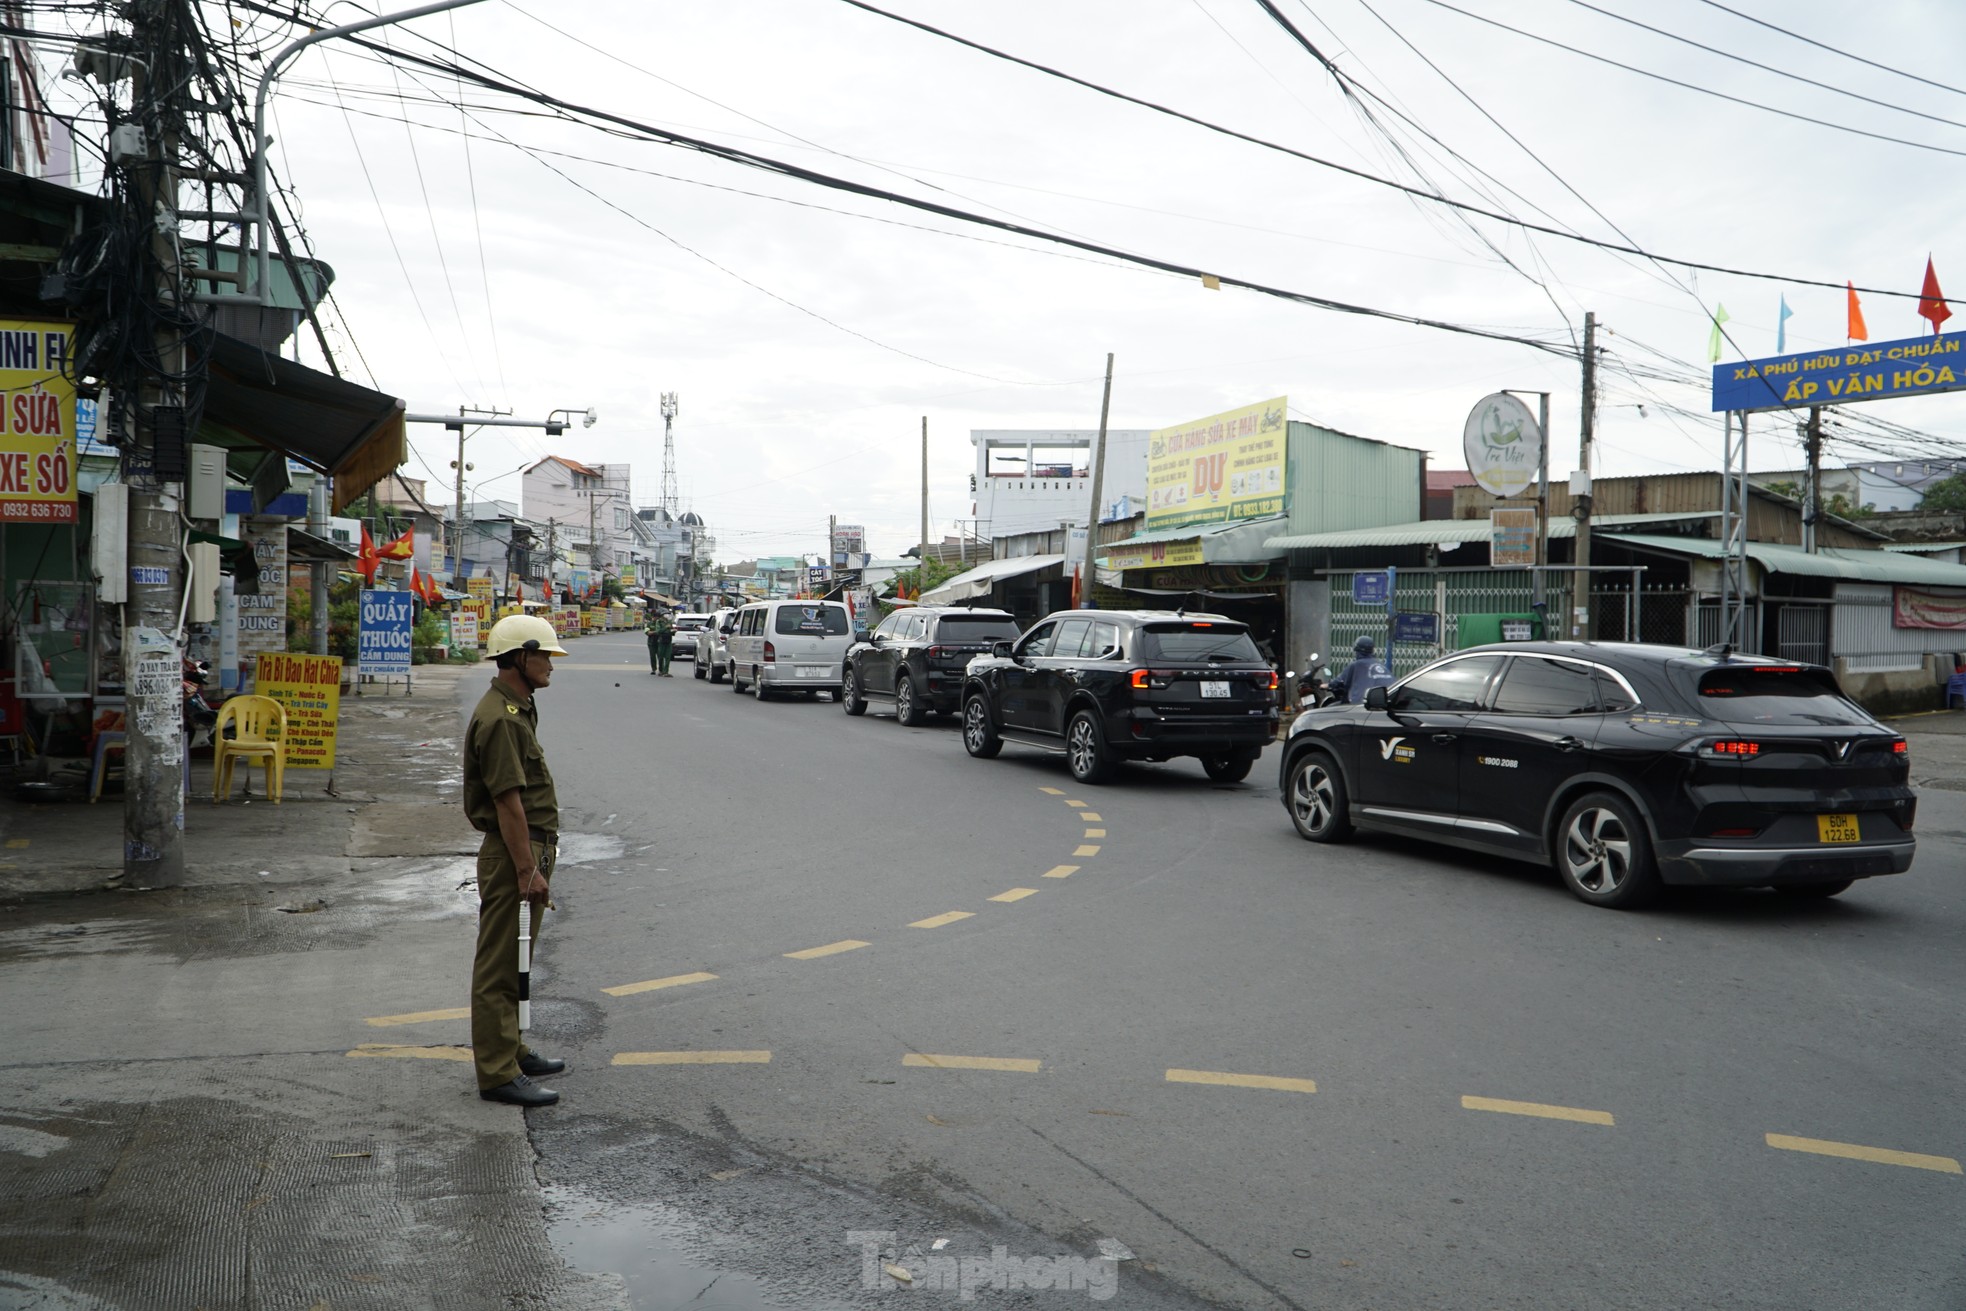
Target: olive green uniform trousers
496, 1045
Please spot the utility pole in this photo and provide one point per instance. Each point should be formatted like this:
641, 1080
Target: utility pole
1812, 487
1098, 486
552, 550
1580, 627
921, 569
832, 536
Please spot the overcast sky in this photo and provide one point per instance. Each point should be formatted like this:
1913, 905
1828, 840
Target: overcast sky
808, 332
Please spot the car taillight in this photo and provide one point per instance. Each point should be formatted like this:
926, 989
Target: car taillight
1730, 749
1733, 832
771, 654
1901, 748
937, 652
1267, 680
1140, 679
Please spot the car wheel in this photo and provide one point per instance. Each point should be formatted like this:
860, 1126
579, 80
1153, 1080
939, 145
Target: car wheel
699, 671
758, 687
1228, 769
979, 734
716, 673
735, 686
1604, 853
1318, 803
908, 709
1085, 749
850, 699
1813, 891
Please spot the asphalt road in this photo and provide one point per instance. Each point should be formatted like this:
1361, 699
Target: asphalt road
1379, 1075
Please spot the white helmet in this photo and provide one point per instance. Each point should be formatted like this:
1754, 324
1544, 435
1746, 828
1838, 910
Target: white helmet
522, 633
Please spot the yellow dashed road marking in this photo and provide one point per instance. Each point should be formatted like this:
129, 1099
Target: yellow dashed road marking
651, 985
1010, 1063
946, 917
1853, 1152
390, 1051
419, 1017
692, 1058
1088, 817
15, 844
1085, 850
1015, 894
1537, 1109
1053, 792
1061, 871
830, 949
1095, 832
1076, 805
1277, 1083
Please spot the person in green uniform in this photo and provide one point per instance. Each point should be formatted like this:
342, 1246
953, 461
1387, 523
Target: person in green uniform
662, 642
509, 797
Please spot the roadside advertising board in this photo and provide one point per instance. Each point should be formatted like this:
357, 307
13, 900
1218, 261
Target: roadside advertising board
848, 539
479, 589
1503, 444
1512, 535
1861, 371
309, 686
1152, 555
593, 620
464, 629
382, 642
1225, 467
37, 423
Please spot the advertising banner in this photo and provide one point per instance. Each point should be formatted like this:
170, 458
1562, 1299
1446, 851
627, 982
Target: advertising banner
1503, 444
464, 629
1152, 555
382, 640
1925, 607
37, 424
848, 539
309, 686
1512, 535
593, 620
480, 590
1214, 470
263, 616
1864, 371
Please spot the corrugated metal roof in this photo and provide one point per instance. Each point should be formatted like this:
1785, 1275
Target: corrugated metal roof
977, 582
1428, 531
1920, 548
1242, 542
1856, 566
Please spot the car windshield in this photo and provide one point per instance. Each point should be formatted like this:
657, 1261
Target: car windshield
1196, 641
1777, 694
977, 628
691, 623
812, 620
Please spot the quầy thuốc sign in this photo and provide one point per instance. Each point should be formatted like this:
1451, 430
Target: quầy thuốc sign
1865, 371
382, 644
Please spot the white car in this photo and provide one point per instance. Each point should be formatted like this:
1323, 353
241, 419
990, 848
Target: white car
713, 647
689, 628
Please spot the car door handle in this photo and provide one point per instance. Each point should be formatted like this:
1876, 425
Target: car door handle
1444, 738
1569, 744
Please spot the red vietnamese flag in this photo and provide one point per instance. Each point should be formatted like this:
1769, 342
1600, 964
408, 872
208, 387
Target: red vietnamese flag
402, 548
416, 584
431, 592
519, 592
366, 560
1857, 331
1931, 303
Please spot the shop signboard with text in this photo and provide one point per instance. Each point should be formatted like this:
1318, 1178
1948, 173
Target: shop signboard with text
382, 642
309, 686
37, 423
1152, 555
1225, 467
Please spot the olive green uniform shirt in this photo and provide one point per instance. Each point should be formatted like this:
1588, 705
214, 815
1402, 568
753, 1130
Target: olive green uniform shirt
502, 752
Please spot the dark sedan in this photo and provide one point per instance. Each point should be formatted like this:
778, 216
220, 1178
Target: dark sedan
1622, 766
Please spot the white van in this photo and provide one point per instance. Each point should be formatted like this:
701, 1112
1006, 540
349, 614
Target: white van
789, 646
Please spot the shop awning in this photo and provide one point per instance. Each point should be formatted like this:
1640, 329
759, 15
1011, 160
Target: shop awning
979, 581
309, 548
1244, 542
1852, 566
257, 399
1429, 531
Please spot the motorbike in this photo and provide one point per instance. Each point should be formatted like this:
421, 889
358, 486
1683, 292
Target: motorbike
1312, 688
200, 715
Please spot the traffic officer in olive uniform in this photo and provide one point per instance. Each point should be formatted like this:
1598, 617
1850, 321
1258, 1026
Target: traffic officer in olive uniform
662, 642
509, 797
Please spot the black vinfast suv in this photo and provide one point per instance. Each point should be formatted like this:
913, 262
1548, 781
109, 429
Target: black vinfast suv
1623, 766
1110, 685
916, 658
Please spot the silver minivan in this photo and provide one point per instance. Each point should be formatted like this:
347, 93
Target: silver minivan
789, 646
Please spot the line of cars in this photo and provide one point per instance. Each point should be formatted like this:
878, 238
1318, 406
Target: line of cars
1624, 767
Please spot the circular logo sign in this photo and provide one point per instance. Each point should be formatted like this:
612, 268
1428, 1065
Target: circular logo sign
1503, 444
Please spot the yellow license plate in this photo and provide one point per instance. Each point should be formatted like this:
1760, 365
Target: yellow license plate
1837, 828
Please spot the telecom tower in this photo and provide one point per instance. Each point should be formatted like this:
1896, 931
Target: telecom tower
669, 454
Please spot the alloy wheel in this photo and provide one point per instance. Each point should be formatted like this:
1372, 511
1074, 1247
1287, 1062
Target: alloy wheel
1597, 850
1314, 799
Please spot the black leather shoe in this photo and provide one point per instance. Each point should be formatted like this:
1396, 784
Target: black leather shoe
533, 1065
520, 1092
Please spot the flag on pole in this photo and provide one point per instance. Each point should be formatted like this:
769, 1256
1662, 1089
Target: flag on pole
1782, 327
401, 548
1932, 304
1719, 317
366, 559
416, 584
1856, 331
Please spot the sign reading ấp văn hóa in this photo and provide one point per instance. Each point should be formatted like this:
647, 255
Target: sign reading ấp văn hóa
37, 423
1864, 371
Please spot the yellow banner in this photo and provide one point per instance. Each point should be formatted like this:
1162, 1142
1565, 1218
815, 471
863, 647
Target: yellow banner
1152, 555
309, 686
37, 424
479, 589
1214, 470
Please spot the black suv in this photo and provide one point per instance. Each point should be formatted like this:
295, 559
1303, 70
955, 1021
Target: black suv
916, 659
1623, 766
1111, 685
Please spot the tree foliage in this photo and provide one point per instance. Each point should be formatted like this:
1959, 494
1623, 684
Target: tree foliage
1946, 495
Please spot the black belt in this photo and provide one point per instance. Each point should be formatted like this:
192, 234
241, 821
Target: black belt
543, 838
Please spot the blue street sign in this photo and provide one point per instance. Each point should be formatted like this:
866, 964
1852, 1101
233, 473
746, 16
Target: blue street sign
382, 644
1411, 627
1372, 588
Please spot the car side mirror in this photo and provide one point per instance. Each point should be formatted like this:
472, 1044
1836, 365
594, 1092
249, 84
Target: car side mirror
1001, 650
1376, 699
874, 639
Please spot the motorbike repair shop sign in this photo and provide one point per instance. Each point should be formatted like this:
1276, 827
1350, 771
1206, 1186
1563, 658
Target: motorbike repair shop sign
309, 686
1225, 467
382, 644
37, 424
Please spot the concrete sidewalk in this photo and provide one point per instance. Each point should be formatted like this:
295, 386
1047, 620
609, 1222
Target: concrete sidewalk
254, 1090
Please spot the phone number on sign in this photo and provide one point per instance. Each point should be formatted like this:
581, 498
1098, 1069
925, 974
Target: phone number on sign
37, 511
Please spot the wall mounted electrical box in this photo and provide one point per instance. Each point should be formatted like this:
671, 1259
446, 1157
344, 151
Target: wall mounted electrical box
109, 548
201, 591
205, 485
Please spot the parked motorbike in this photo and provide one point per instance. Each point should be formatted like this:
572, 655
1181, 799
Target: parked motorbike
200, 714
1312, 689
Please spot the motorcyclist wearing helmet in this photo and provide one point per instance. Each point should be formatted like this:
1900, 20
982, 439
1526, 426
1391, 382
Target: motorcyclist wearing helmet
509, 797
1366, 671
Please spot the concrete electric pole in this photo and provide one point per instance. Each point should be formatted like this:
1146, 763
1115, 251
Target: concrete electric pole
1580, 627
1098, 489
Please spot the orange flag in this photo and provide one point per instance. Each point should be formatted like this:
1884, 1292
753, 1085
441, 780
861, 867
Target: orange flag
1857, 332
1931, 304
366, 560
431, 592
401, 548
416, 584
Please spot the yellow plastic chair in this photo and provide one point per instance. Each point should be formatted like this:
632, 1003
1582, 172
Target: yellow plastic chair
259, 725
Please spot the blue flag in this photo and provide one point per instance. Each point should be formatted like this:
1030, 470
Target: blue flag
1782, 328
